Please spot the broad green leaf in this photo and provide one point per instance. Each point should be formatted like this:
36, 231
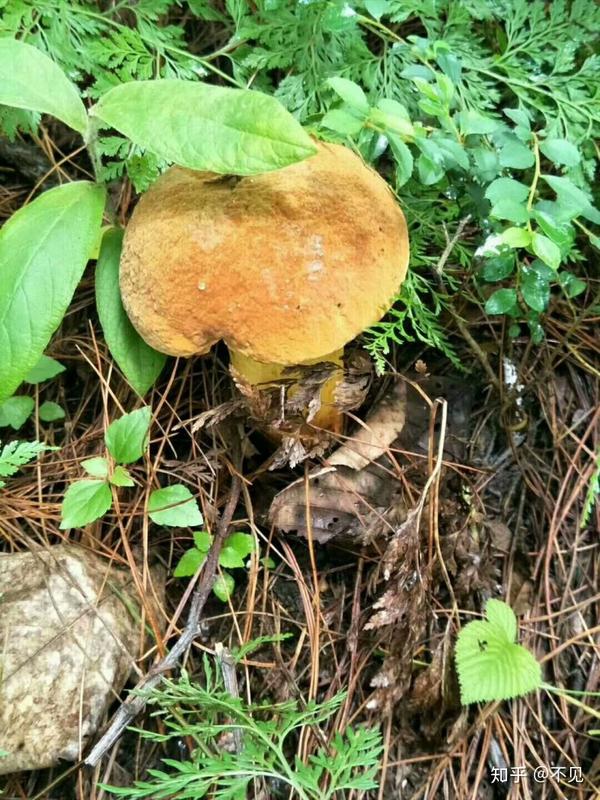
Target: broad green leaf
223, 586
392, 123
203, 540
189, 563
97, 467
174, 505
351, 93
545, 249
139, 362
429, 171
403, 158
472, 122
44, 370
510, 210
571, 284
490, 664
499, 267
534, 288
342, 121
377, 8
44, 248
121, 477
84, 502
572, 198
501, 302
242, 543
15, 411
515, 155
195, 125
560, 151
453, 153
127, 437
506, 189
516, 237
519, 116
51, 412
561, 233
31, 80
230, 558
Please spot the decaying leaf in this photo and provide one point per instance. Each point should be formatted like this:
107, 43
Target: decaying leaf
69, 634
357, 493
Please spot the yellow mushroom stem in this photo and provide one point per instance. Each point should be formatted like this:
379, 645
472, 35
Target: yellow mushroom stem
258, 374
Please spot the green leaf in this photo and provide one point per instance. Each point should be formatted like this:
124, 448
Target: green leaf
572, 198
511, 210
230, 558
561, 152
429, 171
560, 233
499, 267
403, 158
97, 467
535, 288
545, 249
44, 370
571, 284
242, 543
342, 121
516, 237
121, 477
189, 563
377, 8
15, 411
127, 437
516, 155
139, 363
31, 80
351, 93
472, 122
175, 506
506, 189
84, 502
44, 248
490, 665
15, 454
203, 540
51, 412
203, 127
223, 586
501, 302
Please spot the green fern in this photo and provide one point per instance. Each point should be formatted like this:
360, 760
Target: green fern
14, 455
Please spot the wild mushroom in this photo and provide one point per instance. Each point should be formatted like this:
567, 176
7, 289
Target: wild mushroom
285, 267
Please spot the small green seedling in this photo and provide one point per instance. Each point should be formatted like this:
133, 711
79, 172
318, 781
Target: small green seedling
16, 410
492, 666
236, 548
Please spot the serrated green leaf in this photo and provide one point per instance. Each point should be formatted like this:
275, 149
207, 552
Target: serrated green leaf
31, 80
561, 152
51, 412
546, 250
189, 563
97, 467
121, 477
140, 364
44, 248
223, 586
230, 558
127, 437
84, 502
501, 302
535, 289
44, 370
15, 411
351, 93
174, 505
16, 454
490, 665
242, 543
228, 131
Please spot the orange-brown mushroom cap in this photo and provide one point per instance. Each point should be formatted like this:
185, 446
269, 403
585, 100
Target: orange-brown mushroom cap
285, 267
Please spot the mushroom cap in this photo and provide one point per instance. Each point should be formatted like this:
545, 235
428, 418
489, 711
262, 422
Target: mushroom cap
285, 267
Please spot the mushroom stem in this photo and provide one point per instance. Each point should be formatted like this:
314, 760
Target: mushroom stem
260, 375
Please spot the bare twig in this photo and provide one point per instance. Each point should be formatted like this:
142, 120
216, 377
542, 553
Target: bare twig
136, 702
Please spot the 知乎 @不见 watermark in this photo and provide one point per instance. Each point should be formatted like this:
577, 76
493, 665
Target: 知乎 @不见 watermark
539, 774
